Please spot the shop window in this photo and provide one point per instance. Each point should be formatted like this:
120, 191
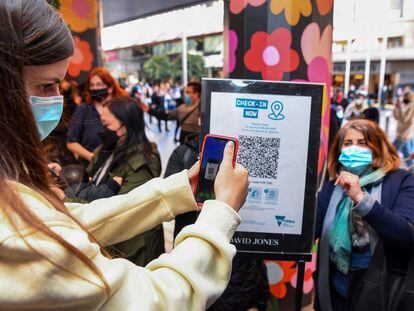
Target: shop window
191, 45
394, 42
167, 48
200, 45
396, 7
213, 44
141, 51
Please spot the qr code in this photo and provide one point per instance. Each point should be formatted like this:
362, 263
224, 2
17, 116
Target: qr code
259, 155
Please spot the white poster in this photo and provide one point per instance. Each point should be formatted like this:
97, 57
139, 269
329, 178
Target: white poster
273, 131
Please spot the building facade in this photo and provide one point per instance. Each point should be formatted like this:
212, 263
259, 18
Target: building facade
200, 26
374, 46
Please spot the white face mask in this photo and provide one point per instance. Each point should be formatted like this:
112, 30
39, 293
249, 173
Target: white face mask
47, 112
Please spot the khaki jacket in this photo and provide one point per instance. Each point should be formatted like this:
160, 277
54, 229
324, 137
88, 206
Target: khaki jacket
191, 124
191, 277
135, 170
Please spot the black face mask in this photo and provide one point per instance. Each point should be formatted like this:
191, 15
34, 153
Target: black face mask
109, 139
406, 101
99, 95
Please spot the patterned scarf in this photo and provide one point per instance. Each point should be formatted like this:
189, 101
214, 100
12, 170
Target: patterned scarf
349, 229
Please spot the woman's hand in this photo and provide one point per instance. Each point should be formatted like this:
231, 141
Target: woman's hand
55, 167
89, 156
118, 180
193, 173
231, 183
350, 183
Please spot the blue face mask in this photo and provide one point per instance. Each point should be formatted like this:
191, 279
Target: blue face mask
356, 159
187, 99
47, 112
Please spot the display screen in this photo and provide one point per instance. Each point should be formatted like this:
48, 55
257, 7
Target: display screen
211, 160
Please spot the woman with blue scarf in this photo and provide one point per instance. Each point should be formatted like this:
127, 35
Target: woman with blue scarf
367, 199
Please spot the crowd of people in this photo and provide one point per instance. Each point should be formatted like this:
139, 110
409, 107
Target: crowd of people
82, 199
361, 105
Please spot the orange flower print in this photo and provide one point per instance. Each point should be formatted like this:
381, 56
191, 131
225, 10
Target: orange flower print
82, 58
279, 273
237, 6
80, 15
310, 268
324, 6
293, 9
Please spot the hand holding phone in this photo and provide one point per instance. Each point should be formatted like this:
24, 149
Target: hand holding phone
220, 177
232, 182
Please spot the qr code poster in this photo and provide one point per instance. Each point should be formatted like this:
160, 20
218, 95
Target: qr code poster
260, 155
278, 135
275, 153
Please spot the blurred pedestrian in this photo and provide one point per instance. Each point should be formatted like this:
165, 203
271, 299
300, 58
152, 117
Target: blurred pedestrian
356, 108
157, 104
83, 136
372, 113
404, 114
179, 102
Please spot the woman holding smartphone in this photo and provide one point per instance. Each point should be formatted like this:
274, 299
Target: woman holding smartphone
51, 255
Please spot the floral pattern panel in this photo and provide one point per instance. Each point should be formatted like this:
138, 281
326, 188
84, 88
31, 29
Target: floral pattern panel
82, 17
286, 40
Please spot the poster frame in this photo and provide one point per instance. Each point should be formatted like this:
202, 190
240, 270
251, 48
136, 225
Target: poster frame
289, 246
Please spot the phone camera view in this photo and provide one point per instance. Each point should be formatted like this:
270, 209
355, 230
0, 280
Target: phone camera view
212, 157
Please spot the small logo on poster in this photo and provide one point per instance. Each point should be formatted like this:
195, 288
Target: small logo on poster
271, 195
254, 193
282, 221
277, 109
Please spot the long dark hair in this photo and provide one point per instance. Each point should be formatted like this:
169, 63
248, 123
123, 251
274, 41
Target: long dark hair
32, 33
128, 111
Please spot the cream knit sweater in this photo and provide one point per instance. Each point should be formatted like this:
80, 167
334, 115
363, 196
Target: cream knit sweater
191, 277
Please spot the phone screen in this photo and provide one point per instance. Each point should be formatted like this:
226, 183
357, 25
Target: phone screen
212, 157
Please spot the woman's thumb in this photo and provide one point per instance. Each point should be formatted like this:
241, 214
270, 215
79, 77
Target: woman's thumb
228, 154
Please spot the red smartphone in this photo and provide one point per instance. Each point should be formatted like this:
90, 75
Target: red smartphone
211, 157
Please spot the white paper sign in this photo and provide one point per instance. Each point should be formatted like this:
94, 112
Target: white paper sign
273, 131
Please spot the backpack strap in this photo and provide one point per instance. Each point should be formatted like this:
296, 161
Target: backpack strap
188, 115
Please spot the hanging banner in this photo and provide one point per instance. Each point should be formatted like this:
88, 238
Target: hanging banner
278, 127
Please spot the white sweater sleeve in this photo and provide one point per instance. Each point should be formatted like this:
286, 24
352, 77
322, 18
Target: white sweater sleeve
122, 217
194, 274
191, 277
